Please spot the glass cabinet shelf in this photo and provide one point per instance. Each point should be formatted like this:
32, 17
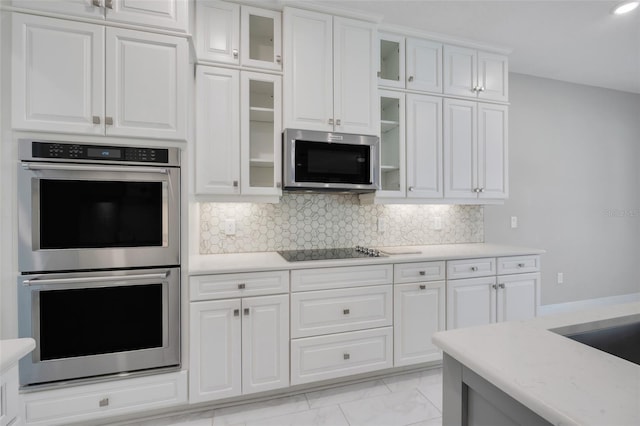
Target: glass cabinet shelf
387, 125
261, 114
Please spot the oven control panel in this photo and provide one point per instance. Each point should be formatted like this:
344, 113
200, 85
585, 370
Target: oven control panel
99, 152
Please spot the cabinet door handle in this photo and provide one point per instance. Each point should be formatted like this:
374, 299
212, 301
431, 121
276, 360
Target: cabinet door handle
246, 311
422, 273
410, 78
331, 121
480, 189
96, 119
104, 402
108, 4
278, 59
235, 53
345, 311
520, 265
236, 312
481, 89
96, 3
501, 285
235, 183
474, 268
494, 286
338, 122
241, 286
423, 287
278, 185
346, 356
108, 121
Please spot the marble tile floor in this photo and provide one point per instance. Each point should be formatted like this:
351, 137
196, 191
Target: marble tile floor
411, 399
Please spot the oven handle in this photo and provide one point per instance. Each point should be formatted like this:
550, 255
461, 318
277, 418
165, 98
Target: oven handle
38, 281
89, 168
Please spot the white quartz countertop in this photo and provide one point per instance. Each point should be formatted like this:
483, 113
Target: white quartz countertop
264, 261
12, 350
563, 381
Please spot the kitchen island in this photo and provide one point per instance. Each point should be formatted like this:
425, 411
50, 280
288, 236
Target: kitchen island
524, 370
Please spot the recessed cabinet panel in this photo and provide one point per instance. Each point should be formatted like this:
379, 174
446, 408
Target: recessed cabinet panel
493, 156
218, 31
217, 147
424, 146
471, 302
57, 76
424, 65
518, 297
147, 83
460, 148
460, 71
170, 14
493, 77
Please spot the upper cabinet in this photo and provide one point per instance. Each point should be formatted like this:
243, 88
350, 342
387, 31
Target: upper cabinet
330, 73
477, 74
166, 14
238, 35
74, 77
410, 63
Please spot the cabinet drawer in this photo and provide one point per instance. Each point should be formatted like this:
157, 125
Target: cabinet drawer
470, 268
204, 287
338, 355
106, 399
518, 264
349, 276
333, 311
419, 271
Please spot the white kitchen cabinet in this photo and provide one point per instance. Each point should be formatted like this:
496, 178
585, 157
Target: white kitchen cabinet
238, 35
476, 74
419, 311
475, 150
9, 405
513, 295
330, 73
165, 14
238, 127
238, 346
410, 63
73, 77
424, 146
393, 179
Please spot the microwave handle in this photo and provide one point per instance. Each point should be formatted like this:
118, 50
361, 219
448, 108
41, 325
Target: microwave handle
89, 168
38, 281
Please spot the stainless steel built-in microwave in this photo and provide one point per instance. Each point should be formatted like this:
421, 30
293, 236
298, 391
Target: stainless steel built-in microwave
326, 161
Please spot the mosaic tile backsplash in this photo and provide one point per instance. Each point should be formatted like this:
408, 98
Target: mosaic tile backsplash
308, 221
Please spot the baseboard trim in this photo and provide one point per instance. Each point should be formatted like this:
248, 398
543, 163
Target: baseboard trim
578, 305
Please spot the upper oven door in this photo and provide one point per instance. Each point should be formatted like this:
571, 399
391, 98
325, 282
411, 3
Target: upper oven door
86, 216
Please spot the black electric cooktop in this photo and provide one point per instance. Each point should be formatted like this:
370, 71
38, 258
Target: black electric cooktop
328, 254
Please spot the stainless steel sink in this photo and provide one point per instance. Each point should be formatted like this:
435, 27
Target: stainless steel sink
617, 336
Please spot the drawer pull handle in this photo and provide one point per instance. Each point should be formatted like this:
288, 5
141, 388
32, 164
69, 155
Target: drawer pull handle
346, 356
474, 268
423, 287
241, 286
345, 311
104, 402
520, 265
246, 311
422, 273
236, 312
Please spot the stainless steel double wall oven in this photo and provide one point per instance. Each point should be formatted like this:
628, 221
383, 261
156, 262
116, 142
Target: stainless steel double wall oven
99, 256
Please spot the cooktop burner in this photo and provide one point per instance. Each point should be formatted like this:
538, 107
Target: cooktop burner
327, 254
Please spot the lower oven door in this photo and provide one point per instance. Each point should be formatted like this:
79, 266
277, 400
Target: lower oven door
94, 324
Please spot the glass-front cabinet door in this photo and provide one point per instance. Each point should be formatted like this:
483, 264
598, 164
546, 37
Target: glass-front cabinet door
261, 38
392, 61
392, 144
261, 134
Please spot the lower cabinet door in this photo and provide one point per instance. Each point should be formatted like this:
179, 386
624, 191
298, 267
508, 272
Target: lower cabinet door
471, 301
265, 343
338, 355
518, 297
215, 358
418, 313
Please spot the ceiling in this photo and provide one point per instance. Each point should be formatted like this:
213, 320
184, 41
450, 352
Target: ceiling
569, 40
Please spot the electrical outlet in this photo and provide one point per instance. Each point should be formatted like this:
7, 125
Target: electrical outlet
230, 227
381, 224
560, 277
437, 223
514, 221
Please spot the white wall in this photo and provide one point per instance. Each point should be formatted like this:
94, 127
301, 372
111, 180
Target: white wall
574, 186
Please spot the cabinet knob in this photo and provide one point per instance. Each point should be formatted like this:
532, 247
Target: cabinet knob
278, 59
494, 286
236, 312
96, 119
481, 89
246, 311
346, 311
96, 3
108, 121
423, 287
241, 286
410, 78
411, 188
422, 273
338, 122
480, 189
108, 4
278, 185
331, 121
235, 53
474, 268
501, 285
235, 183
520, 265
346, 356
104, 402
